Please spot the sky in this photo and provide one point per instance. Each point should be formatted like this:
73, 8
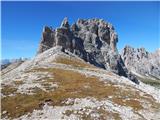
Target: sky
137, 23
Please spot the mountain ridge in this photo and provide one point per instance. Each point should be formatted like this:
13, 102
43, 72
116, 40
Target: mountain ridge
141, 61
93, 40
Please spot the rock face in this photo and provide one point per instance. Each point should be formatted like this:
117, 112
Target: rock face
48, 39
93, 40
141, 61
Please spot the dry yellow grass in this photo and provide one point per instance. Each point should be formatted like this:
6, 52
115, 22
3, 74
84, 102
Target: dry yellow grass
70, 85
135, 104
72, 61
18, 82
8, 89
104, 114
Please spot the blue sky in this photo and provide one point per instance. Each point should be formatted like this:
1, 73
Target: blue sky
137, 23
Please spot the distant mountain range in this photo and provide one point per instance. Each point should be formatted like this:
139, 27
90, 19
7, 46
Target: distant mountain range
6, 62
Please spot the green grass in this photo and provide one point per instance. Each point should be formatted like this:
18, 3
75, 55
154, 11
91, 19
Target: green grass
155, 83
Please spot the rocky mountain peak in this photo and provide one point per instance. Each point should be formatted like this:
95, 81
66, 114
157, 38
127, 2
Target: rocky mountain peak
93, 40
65, 23
141, 61
138, 53
47, 29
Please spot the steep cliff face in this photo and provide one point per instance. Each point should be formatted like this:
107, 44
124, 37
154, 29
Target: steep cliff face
141, 61
47, 40
93, 40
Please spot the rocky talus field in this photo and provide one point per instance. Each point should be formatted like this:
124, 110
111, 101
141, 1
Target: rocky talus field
77, 74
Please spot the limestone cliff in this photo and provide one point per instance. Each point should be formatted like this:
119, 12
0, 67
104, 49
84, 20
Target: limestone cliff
93, 40
141, 61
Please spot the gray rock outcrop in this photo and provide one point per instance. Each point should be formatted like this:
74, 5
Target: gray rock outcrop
93, 40
141, 61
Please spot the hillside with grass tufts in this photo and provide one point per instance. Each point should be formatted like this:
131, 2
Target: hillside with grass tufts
57, 85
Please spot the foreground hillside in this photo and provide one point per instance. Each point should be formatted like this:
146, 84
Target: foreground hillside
57, 85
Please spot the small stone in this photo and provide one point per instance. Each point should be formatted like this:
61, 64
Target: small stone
4, 112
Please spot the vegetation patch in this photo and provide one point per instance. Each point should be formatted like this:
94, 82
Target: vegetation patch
155, 83
72, 61
8, 89
18, 82
104, 114
135, 104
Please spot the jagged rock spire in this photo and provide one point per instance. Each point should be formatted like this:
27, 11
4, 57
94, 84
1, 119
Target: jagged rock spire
47, 29
141, 61
65, 23
93, 40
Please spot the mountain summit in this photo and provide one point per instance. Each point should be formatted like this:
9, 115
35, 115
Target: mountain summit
93, 40
141, 62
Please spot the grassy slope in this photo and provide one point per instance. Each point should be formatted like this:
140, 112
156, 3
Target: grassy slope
71, 85
152, 82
